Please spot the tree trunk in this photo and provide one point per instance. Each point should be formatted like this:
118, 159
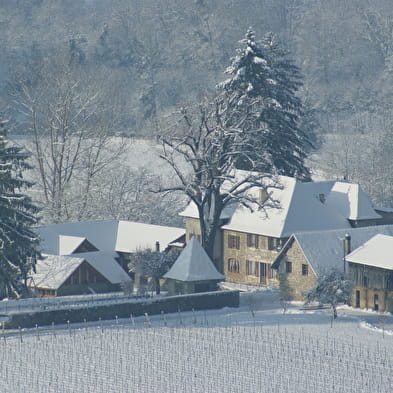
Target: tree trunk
334, 311
157, 285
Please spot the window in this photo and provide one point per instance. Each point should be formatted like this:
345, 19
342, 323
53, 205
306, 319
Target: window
233, 265
252, 240
273, 243
288, 267
365, 281
234, 241
252, 268
376, 302
304, 269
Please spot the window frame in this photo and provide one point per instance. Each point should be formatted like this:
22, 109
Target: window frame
288, 267
304, 269
252, 268
233, 265
252, 240
234, 241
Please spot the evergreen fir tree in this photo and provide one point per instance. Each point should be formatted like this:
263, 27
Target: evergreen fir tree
18, 242
262, 87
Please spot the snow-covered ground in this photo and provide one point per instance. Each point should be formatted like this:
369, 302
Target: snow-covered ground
253, 348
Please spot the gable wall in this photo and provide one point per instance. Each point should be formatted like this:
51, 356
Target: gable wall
84, 274
294, 285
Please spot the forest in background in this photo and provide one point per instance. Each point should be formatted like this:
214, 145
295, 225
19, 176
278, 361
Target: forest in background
131, 63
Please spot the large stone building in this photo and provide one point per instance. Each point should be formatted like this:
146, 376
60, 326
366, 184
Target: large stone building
249, 240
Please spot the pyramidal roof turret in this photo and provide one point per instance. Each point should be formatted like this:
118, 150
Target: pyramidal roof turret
193, 264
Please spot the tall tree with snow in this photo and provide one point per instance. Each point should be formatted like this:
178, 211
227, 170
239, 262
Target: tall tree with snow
202, 148
262, 87
18, 241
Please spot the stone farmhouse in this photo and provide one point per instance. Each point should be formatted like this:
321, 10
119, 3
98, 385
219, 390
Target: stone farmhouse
249, 241
308, 255
92, 256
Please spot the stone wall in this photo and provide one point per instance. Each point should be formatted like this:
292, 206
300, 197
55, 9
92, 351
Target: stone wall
261, 255
295, 284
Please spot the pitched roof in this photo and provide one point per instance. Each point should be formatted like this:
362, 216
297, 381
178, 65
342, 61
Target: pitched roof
102, 234
54, 270
193, 264
377, 252
351, 201
324, 250
299, 210
68, 244
133, 236
106, 235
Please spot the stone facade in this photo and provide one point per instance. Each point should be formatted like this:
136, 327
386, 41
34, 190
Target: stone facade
247, 258
242, 257
295, 274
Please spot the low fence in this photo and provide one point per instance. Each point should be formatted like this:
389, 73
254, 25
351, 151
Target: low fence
200, 301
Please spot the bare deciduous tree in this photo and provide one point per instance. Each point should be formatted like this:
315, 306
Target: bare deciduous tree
202, 148
71, 128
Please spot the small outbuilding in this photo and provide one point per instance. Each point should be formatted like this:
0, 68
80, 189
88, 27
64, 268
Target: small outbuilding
94, 272
193, 271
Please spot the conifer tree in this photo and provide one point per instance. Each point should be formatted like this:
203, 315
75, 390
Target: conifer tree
262, 88
18, 241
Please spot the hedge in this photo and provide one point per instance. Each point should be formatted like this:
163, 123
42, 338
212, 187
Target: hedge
199, 301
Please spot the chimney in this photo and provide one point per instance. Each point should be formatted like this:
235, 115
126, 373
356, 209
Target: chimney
263, 196
157, 246
347, 249
347, 244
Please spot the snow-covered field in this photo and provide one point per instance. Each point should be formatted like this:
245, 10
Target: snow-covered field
255, 348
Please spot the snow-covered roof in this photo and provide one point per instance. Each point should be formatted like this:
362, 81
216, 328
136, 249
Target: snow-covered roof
310, 206
299, 210
102, 234
106, 235
193, 264
351, 201
54, 270
324, 250
68, 244
375, 252
133, 236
